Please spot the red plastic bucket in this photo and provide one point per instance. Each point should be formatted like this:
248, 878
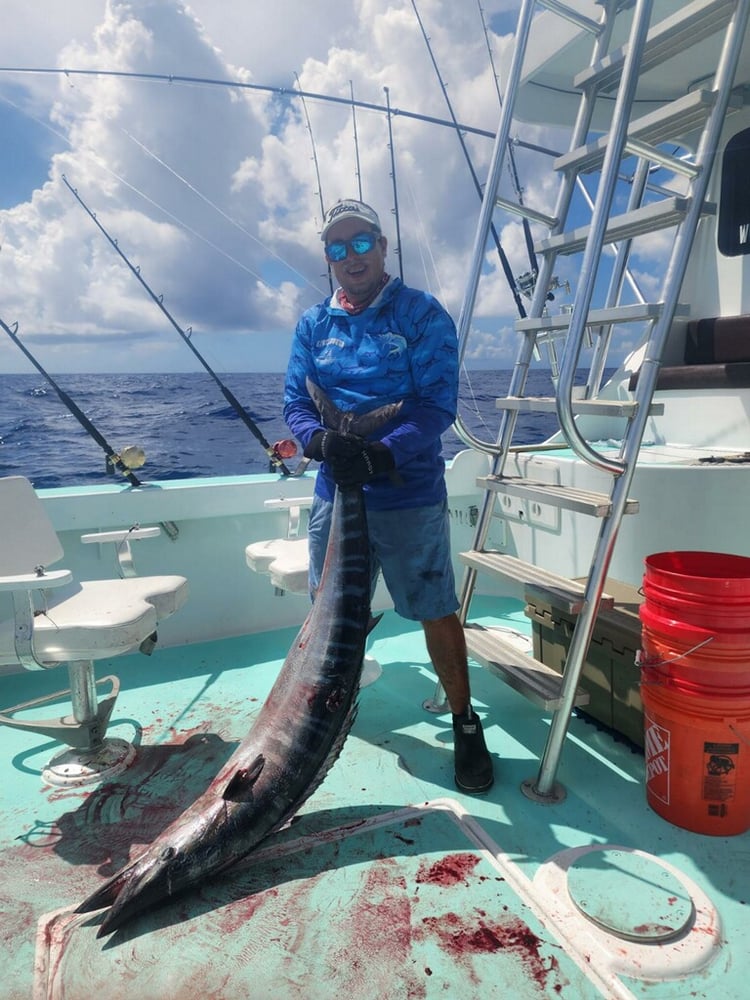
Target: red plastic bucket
697, 757
691, 657
695, 689
707, 589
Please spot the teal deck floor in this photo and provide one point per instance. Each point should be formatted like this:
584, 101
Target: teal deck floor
389, 884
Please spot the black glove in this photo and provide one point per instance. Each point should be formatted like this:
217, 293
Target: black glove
327, 446
373, 460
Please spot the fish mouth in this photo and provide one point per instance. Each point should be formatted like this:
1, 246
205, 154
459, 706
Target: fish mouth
145, 888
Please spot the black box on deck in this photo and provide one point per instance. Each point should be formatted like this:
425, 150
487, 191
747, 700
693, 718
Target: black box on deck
610, 674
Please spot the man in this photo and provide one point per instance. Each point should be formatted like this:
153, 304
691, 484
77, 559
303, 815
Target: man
375, 341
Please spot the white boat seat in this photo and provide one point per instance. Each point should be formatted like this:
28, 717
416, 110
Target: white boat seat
57, 621
284, 560
97, 619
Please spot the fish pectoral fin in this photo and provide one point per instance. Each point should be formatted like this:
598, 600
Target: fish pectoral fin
241, 783
363, 424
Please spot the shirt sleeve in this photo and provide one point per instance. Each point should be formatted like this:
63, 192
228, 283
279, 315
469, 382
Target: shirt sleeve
433, 361
300, 413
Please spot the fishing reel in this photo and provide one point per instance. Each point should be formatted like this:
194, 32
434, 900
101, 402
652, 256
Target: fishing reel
526, 283
130, 457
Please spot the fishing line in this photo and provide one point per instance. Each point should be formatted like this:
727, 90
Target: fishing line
273, 451
357, 170
511, 155
317, 176
425, 247
95, 156
220, 211
394, 185
504, 263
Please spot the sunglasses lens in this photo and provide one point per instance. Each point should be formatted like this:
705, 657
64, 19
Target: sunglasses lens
360, 244
336, 251
363, 243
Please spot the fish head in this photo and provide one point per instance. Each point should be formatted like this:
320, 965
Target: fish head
169, 866
187, 851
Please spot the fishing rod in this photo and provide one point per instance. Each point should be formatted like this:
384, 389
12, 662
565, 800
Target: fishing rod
509, 276
123, 461
395, 190
358, 171
511, 155
277, 452
317, 172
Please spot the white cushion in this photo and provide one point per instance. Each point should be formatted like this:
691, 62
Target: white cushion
286, 560
98, 618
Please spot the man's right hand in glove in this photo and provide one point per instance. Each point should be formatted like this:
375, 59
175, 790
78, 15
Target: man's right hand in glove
331, 446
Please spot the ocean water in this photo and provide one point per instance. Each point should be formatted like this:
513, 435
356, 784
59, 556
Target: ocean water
186, 426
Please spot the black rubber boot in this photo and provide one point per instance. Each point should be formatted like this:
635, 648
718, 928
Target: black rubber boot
472, 762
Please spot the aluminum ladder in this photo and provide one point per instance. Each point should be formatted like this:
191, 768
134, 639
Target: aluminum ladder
612, 71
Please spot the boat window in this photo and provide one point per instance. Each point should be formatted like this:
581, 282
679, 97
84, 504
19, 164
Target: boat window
734, 208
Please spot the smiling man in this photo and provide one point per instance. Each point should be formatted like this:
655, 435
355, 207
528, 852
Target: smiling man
376, 341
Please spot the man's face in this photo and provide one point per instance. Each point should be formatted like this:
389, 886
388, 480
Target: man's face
358, 274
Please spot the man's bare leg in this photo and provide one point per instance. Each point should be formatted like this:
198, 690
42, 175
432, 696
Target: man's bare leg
446, 645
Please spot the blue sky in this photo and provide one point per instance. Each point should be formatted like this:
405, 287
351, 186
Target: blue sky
214, 193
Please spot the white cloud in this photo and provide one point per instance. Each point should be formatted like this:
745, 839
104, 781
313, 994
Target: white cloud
213, 192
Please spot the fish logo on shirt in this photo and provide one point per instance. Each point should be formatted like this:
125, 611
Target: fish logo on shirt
397, 344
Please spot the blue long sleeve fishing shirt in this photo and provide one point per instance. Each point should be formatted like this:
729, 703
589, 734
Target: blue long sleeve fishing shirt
403, 347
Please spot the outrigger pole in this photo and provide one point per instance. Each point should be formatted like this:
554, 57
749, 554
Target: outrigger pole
270, 450
114, 459
459, 132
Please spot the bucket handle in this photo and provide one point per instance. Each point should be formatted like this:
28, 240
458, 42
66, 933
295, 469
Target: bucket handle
641, 661
737, 733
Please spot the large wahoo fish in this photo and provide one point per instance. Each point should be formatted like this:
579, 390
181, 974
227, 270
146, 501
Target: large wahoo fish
297, 735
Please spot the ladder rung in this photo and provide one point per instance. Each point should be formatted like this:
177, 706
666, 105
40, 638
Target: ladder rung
580, 20
636, 312
671, 37
683, 115
591, 407
564, 497
539, 683
647, 219
560, 590
654, 156
528, 213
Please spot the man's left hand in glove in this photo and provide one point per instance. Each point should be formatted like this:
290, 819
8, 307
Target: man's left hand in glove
374, 460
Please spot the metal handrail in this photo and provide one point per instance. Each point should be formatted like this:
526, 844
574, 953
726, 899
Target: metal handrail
705, 158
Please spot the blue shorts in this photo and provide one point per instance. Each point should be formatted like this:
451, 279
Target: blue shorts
412, 549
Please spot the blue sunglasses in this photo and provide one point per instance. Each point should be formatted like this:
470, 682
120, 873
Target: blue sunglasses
360, 244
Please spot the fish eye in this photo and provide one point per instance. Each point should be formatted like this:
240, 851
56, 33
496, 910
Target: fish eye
167, 853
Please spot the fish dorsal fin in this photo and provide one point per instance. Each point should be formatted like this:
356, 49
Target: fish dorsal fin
241, 783
362, 424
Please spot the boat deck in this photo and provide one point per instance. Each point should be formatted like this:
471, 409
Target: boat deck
390, 883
